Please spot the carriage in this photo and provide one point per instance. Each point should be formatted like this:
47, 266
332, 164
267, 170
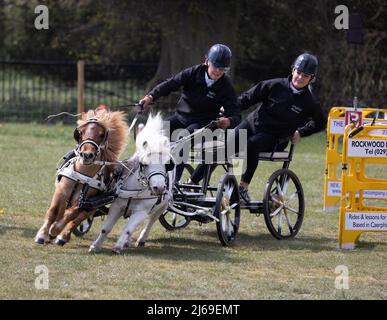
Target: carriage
282, 204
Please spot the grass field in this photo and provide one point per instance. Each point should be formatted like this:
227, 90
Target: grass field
188, 264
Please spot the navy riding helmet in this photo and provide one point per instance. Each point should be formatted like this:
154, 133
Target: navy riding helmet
306, 63
219, 55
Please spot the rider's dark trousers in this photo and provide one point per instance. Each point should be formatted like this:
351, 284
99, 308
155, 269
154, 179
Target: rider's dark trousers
256, 142
176, 123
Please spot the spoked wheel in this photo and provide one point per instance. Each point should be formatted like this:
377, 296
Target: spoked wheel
172, 221
283, 204
227, 209
84, 227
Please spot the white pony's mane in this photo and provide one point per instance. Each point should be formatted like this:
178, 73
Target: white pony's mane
152, 139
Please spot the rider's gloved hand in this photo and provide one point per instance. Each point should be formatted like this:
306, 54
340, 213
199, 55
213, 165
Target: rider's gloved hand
223, 122
146, 101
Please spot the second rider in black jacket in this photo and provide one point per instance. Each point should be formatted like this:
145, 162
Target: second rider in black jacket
288, 110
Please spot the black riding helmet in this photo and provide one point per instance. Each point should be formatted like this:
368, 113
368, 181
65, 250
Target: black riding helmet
219, 55
306, 63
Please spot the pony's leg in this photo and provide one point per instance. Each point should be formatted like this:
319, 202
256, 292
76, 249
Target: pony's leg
145, 232
63, 192
56, 209
42, 236
135, 219
65, 234
58, 226
70, 215
112, 218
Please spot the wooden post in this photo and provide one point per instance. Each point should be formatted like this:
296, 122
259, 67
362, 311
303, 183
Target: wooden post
81, 82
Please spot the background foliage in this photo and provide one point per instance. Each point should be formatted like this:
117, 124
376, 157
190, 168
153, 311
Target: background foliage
265, 37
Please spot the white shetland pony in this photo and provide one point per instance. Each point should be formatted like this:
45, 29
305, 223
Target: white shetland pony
145, 187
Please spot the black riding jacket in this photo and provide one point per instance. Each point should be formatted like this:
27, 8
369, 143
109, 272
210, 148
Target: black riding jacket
199, 103
282, 112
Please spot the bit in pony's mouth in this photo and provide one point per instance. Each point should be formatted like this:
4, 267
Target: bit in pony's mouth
86, 162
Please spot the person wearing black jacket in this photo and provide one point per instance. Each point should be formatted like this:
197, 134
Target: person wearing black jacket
205, 89
288, 110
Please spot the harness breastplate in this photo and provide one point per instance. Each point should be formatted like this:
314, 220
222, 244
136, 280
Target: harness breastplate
68, 171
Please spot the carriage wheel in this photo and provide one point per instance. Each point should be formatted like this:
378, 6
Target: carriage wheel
283, 204
227, 209
172, 221
84, 227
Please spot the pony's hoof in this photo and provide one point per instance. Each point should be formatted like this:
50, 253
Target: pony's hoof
117, 250
40, 240
60, 242
140, 244
93, 249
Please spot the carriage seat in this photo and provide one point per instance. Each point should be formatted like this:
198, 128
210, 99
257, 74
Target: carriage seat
274, 156
279, 152
209, 145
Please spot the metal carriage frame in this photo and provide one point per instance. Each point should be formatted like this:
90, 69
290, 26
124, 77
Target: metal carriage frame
282, 204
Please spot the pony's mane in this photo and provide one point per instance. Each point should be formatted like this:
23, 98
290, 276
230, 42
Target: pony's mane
133, 163
115, 122
153, 135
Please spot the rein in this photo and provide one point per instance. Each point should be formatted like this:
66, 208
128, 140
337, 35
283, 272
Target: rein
176, 143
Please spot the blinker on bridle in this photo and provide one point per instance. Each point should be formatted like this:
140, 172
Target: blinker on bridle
145, 179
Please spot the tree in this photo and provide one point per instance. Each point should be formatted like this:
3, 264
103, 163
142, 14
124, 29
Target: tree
189, 28
2, 26
265, 36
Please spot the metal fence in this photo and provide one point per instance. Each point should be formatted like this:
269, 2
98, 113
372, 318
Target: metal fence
32, 90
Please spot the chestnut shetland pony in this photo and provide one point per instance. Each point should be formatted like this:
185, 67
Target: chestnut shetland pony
102, 137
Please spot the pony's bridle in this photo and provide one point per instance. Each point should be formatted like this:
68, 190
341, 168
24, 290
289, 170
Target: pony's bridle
145, 179
77, 137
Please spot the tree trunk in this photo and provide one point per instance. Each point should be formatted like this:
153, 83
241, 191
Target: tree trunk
2, 25
189, 28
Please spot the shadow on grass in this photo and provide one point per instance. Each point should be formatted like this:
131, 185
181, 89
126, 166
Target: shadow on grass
369, 245
300, 242
26, 232
173, 249
177, 248
182, 248
205, 245
265, 241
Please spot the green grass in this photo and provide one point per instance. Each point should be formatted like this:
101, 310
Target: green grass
188, 264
